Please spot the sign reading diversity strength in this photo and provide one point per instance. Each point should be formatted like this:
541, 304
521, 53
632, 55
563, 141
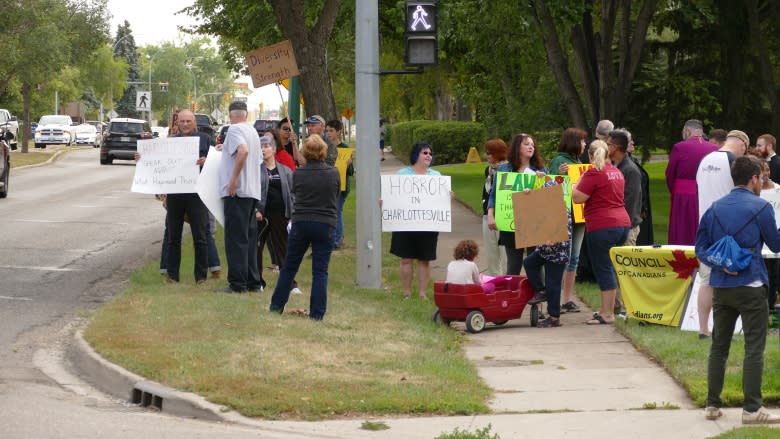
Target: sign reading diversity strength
509, 182
416, 203
167, 166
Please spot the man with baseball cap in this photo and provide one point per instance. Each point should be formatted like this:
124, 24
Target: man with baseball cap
316, 125
239, 175
713, 181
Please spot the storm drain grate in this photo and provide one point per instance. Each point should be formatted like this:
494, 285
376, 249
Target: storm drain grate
147, 399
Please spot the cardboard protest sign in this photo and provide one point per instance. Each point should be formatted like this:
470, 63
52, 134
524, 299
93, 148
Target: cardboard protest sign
509, 182
167, 166
575, 173
416, 203
270, 64
208, 185
540, 216
341, 164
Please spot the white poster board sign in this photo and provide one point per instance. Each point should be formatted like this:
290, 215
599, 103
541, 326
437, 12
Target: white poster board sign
416, 203
208, 185
167, 166
690, 320
773, 197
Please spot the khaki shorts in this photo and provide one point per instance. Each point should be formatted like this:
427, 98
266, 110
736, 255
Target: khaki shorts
704, 273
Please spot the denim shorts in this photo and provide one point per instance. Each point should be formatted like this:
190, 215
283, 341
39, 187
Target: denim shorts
599, 243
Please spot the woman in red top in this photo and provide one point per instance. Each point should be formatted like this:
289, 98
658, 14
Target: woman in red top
606, 221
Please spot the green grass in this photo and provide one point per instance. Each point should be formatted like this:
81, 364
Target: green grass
374, 354
749, 433
470, 178
680, 352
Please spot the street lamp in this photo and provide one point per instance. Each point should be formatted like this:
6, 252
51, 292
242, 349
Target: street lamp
194, 83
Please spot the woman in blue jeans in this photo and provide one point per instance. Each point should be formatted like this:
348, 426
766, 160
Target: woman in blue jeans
606, 221
316, 187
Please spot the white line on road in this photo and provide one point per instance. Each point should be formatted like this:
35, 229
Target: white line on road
15, 298
17, 267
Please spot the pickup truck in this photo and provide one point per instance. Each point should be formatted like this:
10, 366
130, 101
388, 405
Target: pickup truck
54, 129
9, 128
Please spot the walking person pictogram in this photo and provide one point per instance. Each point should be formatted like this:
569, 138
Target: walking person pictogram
143, 101
419, 18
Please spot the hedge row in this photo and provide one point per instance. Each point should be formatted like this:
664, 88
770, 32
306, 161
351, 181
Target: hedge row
451, 140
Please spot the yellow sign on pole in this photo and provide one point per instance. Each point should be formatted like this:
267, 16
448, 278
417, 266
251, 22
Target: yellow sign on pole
348, 113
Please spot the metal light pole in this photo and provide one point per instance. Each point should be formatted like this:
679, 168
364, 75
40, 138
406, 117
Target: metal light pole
369, 227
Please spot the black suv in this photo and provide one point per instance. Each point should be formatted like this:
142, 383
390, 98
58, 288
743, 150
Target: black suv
206, 125
120, 141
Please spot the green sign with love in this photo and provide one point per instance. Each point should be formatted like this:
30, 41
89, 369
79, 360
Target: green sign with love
509, 182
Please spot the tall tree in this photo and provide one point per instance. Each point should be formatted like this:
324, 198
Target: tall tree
243, 24
607, 59
124, 47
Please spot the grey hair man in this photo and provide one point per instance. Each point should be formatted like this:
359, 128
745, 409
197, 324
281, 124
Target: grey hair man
603, 129
239, 187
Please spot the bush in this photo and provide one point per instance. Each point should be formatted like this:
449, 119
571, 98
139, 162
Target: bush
451, 140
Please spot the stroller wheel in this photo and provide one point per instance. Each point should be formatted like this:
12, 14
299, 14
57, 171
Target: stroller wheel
438, 319
475, 322
534, 315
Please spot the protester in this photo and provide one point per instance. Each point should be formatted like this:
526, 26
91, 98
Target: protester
751, 220
606, 221
315, 189
713, 179
239, 178
417, 246
495, 151
287, 141
570, 148
316, 125
523, 158
333, 131
463, 269
681, 181
274, 209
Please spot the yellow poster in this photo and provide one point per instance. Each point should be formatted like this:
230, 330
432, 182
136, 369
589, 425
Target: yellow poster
342, 163
575, 173
655, 282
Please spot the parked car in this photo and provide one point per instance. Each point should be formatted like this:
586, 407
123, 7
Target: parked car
54, 129
263, 125
87, 134
5, 168
222, 133
206, 124
120, 141
99, 126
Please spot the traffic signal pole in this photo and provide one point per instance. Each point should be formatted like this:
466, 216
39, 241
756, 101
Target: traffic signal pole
368, 222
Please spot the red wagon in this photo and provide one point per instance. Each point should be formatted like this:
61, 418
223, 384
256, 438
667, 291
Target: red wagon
470, 304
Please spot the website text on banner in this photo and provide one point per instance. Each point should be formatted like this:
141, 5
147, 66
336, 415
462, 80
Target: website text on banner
655, 282
167, 166
341, 164
416, 203
509, 182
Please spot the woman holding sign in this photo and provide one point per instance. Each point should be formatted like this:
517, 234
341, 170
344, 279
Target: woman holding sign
416, 245
606, 221
523, 158
570, 148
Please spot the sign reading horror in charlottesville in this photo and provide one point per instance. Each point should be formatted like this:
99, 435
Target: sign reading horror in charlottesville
416, 203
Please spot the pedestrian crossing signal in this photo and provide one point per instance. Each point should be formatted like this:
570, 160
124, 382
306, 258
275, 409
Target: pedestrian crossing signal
421, 40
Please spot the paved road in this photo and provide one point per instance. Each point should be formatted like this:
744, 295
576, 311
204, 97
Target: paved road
71, 231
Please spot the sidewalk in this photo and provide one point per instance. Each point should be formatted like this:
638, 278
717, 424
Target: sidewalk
575, 381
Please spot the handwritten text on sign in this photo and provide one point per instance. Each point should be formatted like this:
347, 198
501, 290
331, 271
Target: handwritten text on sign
271, 64
416, 203
167, 166
508, 183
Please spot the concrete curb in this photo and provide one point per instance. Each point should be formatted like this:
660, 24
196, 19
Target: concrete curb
125, 385
53, 157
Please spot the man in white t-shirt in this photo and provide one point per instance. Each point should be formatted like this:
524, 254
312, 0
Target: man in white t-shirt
713, 181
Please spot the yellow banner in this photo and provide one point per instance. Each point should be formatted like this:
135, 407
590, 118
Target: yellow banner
655, 282
575, 173
342, 163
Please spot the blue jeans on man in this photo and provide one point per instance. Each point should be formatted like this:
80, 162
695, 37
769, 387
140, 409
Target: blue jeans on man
302, 235
338, 234
241, 244
553, 274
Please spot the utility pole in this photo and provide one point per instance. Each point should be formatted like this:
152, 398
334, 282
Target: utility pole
369, 226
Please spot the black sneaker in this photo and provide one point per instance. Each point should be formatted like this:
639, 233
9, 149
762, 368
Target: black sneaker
570, 307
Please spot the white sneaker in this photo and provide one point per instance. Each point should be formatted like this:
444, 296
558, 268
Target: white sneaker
712, 413
760, 416
296, 290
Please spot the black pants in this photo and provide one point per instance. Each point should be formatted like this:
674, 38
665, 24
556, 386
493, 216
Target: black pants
241, 244
191, 205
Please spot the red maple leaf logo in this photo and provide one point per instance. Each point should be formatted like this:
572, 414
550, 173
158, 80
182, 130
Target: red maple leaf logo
683, 265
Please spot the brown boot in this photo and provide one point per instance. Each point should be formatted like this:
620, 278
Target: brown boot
216, 274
